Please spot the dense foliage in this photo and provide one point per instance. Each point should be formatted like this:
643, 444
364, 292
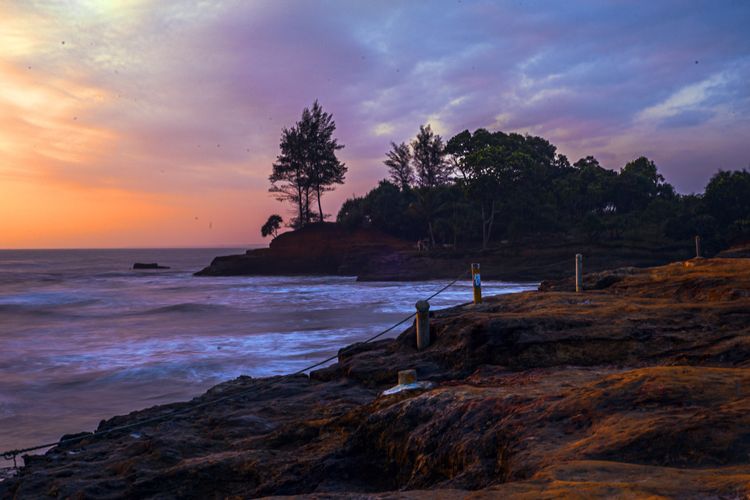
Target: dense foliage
480, 188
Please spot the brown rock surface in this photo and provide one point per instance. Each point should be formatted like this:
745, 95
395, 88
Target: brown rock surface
323, 248
638, 389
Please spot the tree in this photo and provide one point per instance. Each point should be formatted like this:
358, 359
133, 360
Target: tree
638, 184
727, 196
432, 171
429, 158
289, 180
272, 225
353, 214
399, 165
488, 185
323, 167
307, 165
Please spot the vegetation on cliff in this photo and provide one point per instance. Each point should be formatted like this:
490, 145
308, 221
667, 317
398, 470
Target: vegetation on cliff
484, 187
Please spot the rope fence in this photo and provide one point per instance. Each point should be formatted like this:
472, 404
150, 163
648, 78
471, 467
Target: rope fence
13, 454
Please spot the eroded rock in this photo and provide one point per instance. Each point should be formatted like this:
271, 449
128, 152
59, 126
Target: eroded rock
640, 388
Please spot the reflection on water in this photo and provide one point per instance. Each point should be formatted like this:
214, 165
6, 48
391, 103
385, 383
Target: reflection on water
83, 337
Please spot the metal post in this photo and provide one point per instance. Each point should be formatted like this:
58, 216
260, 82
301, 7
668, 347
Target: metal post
476, 280
423, 324
697, 246
579, 272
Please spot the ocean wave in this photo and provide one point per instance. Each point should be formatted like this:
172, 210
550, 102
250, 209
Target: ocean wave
185, 307
60, 310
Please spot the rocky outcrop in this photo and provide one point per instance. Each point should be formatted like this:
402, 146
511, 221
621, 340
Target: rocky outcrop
323, 248
373, 256
637, 388
148, 265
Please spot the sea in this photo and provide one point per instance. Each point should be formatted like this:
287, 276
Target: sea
84, 337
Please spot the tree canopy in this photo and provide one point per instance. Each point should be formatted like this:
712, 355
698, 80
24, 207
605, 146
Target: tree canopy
272, 226
483, 187
428, 152
307, 166
398, 161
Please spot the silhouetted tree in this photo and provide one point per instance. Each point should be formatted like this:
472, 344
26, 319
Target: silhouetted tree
399, 165
432, 171
307, 165
487, 185
477, 158
727, 196
272, 226
323, 167
428, 154
727, 200
289, 178
640, 182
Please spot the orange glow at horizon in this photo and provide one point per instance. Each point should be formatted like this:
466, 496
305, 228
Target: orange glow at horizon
40, 134
71, 217
138, 123
48, 153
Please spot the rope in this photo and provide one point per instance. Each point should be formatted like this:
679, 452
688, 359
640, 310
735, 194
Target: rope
12, 454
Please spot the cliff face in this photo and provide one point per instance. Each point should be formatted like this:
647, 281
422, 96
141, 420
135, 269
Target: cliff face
373, 256
325, 248
638, 388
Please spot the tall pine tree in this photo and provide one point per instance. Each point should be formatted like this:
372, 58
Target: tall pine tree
307, 165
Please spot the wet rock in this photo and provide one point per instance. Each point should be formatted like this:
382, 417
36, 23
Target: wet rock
638, 388
148, 265
320, 248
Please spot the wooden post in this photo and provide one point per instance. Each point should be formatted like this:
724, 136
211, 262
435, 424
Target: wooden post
423, 324
579, 272
476, 281
407, 377
697, 246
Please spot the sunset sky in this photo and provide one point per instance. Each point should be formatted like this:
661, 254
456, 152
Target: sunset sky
155, 124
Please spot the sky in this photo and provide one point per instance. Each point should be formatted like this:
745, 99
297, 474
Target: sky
155, 124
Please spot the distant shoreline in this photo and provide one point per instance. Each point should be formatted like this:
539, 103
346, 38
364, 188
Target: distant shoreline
329, 249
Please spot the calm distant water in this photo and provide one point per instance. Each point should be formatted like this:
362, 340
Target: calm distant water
83, 337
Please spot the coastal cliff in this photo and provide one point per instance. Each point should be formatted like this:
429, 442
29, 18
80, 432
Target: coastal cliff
322, 248
637, 387
370, 255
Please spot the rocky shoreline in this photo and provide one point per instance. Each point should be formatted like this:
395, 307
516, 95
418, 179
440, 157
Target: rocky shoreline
638, 387
329, 249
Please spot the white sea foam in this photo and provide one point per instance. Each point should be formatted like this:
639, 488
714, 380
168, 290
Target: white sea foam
82, 337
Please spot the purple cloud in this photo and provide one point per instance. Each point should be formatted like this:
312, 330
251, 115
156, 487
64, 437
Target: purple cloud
200, 93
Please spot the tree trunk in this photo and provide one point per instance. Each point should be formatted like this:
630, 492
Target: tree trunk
307, 205
320, 207
300, 220
487, 221
484, 228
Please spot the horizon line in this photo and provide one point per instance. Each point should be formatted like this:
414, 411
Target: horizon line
209, 247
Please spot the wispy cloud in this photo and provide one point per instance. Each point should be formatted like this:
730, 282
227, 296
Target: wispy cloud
183, 103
